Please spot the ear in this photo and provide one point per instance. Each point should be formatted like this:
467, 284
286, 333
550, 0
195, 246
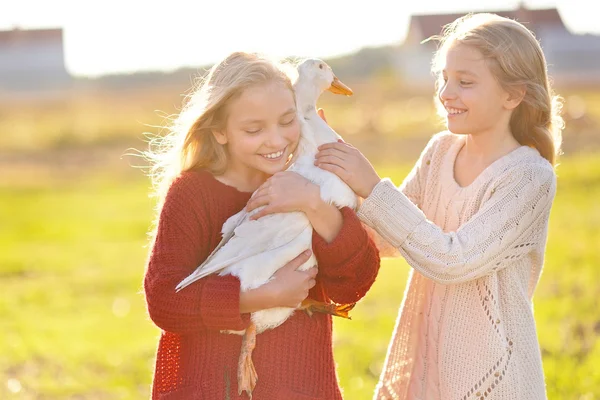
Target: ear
515, 97
220, 136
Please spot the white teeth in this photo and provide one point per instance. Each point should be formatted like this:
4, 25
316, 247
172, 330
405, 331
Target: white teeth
454, 111
273, 155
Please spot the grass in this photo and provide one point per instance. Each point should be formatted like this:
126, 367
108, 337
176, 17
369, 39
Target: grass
70, 284
73, 322
88, 115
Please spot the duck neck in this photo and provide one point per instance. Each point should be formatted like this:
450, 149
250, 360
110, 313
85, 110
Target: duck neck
307, 144
318, 132
307, 96
307, 110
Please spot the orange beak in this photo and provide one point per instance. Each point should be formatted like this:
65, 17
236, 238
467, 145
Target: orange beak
338, 87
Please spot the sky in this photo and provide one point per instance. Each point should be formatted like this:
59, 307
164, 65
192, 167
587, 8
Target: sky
120, 36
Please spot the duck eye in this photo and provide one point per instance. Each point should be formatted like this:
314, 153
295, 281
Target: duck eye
320, 66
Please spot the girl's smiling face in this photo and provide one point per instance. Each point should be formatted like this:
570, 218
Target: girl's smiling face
261, 132
473, 100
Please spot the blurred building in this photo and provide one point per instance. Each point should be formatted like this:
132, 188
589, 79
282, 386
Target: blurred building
32, 60
572, 59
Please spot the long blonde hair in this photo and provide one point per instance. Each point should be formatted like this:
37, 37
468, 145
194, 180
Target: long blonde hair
189, 143
515, 58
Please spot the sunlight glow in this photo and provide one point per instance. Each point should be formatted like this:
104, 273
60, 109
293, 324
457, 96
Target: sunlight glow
125, 36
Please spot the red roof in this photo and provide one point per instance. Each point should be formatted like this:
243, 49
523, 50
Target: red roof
432, 24
31, 35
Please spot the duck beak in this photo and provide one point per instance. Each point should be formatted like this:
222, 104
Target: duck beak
338, 87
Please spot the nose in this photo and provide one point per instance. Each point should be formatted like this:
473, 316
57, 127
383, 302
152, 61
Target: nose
276, 139
446, 91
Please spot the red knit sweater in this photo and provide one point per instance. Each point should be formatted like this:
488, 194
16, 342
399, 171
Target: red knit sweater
194, 359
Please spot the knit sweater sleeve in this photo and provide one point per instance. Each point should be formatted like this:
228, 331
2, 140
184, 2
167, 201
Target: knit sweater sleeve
349, 264
413, 188
506, 227
180, 245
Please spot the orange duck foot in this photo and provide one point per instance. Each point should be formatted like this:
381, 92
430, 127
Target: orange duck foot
247, 376
338, 310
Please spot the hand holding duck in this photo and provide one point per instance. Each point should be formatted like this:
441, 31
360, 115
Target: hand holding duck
284, 192
348, 163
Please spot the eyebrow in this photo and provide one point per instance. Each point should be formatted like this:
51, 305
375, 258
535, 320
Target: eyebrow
254, 121
464, 72
292, 110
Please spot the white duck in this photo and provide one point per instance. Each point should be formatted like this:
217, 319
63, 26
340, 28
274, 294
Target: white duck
254, 250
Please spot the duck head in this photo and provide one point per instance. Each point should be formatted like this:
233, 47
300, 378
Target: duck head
315, 77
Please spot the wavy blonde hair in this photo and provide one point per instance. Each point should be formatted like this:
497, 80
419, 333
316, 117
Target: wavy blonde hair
189, 143
516, 60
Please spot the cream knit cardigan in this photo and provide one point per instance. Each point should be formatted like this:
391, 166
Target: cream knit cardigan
466, 329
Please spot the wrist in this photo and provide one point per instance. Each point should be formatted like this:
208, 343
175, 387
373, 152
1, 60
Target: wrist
314, 202
326, 220
370, 186
270, 294
261, 298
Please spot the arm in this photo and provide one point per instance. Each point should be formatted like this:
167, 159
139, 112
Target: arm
289, 191
386, 250
348, 259
412, 189
325, 218
504, 229
351, 166
180, 245
349, 264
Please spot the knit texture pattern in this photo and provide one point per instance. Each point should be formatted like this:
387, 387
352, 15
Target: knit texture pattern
466, 329
194, 359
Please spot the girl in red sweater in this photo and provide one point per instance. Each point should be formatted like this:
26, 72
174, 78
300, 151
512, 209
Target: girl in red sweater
237, 130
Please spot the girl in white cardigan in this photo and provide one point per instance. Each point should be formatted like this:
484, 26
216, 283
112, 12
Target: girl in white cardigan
471, 219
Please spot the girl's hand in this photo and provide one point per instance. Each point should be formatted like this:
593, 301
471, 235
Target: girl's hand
290, 286
350, 165
284, 192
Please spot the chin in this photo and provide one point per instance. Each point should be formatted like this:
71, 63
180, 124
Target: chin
272, 169
457, 130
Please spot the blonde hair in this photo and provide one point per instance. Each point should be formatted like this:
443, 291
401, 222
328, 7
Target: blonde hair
190, 143
515, 58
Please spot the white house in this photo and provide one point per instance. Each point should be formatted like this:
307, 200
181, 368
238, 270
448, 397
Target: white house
572, 59
32, 60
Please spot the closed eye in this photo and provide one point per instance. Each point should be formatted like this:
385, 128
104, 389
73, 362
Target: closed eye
289, 121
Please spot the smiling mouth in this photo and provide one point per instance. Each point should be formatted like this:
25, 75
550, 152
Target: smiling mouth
455, 111
274, 156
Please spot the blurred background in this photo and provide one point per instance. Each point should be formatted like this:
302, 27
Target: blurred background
81, 86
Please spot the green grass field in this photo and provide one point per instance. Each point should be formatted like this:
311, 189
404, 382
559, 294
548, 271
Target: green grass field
73, 322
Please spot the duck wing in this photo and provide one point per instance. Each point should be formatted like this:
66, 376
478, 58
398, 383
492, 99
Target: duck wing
248, 239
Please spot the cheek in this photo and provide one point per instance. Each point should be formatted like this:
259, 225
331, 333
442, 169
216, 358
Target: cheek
245, 144
292, 132
476, 103
488, 106
469, 97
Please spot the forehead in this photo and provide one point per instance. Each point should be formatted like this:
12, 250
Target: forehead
263, 101
464, 59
